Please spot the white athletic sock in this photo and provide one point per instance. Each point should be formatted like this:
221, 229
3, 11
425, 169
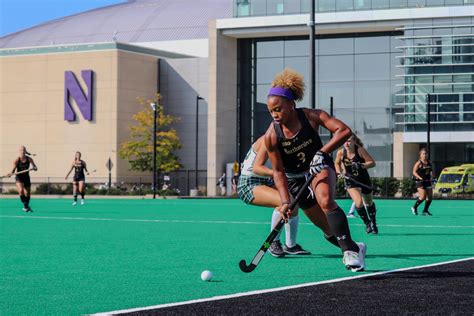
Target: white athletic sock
275, 220
292, 231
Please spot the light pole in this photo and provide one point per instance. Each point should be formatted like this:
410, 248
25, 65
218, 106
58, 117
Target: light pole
312, 52
153, 106
197, 138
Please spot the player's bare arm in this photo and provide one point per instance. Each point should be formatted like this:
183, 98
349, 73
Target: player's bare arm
341, 132
369, 161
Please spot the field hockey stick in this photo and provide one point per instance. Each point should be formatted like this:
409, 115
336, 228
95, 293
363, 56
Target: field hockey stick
17, 173
266, 244
365, 186
93, 171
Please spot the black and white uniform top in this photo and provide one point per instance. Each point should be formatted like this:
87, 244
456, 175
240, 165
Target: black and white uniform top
297, 153
23, 177
424, 171
79, 167
359, 174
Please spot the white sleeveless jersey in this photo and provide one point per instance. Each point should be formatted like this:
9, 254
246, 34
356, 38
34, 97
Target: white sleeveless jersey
247, 165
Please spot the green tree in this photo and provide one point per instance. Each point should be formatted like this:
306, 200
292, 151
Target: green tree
138, 150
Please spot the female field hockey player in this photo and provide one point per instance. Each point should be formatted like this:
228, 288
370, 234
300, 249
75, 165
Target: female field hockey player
423, 175
295, 148
23, 182
256, 187
79, 179
354, 161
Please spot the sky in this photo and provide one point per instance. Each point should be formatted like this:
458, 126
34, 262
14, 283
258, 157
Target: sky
16, 15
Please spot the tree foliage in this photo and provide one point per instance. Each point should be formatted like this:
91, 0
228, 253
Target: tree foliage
138, 151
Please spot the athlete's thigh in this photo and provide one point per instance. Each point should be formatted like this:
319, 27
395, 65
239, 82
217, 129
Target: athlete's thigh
429, 193
19, 187
81, 185
324, 186
356, 196
266, 196
318, 218
368, 198
421, 193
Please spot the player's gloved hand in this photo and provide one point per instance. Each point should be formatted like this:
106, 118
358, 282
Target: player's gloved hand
321, 160
340, 175
35, 168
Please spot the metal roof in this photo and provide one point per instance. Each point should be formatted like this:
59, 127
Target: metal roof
131, 22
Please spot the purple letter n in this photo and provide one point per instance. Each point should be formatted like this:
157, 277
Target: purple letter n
73, 89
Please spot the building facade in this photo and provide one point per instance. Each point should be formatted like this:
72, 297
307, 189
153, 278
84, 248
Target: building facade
377, 60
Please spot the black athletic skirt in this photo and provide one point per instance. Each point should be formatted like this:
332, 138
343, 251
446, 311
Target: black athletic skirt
25, 179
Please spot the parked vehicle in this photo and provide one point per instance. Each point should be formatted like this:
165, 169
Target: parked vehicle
456, 180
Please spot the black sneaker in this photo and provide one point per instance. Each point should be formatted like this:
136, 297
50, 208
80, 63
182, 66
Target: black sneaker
29, 210
296, 250
276, 250
414, 210
369, 227
426, 213
375, 229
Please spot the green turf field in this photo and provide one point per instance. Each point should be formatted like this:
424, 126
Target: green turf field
118, 254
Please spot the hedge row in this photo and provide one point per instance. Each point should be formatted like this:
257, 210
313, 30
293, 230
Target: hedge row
389, 187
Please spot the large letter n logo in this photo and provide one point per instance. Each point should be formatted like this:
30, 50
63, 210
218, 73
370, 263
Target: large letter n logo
73, 89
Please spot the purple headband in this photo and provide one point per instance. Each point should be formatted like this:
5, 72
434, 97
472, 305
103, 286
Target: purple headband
282, 92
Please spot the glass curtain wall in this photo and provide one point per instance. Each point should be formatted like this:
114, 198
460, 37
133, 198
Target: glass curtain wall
357, 70
243, 8
438, 59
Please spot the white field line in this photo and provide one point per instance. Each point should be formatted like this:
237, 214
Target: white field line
224, 297
202, 222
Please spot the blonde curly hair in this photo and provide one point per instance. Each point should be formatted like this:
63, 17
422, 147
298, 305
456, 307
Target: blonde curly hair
290, 79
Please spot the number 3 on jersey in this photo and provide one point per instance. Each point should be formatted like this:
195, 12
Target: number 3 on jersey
301, 156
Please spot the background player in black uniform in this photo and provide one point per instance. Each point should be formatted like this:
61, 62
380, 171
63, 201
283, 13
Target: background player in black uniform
79, 179
294, 148
423, 175
23, 182
354, 161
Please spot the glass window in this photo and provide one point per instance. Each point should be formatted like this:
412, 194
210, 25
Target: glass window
292, 6
335, 46
300, 64
326, 5
335, 68
344, 5
372, 94
394, 62
258, 7
398, 3
434, 3
416, 3
372, 67
275, 7
297, 48
363, 4
270, 49
453, 2
343, 93
376, 44
267, 68
381, 4
243, 8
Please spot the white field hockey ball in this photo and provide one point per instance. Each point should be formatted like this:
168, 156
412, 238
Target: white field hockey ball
206, 275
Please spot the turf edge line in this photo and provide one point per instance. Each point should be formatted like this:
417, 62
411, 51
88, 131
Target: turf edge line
223, 297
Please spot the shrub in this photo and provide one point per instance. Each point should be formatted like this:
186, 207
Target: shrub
388, 186
340, 189
408, 187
